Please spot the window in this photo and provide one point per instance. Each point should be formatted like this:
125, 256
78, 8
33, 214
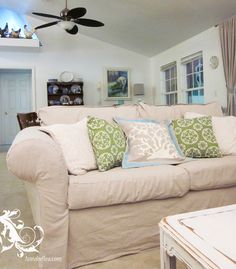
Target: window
193, 79
169, 86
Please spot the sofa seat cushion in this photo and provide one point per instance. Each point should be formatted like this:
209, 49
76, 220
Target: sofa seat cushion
118, 186
211, 173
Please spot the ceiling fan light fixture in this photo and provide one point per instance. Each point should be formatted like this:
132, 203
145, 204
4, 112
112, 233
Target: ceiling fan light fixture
66, 25
69, 19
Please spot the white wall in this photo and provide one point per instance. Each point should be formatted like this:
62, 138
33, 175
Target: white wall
209, 43
89, 57
79, 54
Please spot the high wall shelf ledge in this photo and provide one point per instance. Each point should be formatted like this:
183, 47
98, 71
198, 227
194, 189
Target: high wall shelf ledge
20, 43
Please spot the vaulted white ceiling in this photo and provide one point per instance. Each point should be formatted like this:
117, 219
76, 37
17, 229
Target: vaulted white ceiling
144, 26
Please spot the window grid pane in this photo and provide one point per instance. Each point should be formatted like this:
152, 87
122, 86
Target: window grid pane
170, 85
195, 96
171, 99
167, 74
167, 99
195, 81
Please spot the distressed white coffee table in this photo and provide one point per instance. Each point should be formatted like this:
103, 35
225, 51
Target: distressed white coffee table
201, 239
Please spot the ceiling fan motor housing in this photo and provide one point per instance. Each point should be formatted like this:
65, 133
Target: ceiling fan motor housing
64, 14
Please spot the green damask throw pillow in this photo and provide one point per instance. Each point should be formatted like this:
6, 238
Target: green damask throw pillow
108, 141
196, 137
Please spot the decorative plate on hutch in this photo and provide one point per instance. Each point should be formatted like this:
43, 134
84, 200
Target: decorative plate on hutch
65, 100
66, 76
75, 88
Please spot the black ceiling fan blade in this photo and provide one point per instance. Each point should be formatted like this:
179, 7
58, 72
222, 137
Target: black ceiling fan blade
89, 22
47, 15
73, 31
46, 25
76, 13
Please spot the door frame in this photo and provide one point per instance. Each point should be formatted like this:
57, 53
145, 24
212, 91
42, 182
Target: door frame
33, 80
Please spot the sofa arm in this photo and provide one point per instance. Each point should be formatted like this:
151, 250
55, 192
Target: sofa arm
35, 157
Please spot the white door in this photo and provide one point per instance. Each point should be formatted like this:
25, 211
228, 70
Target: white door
15, 97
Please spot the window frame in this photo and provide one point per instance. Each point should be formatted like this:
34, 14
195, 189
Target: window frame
166, 95
186, 90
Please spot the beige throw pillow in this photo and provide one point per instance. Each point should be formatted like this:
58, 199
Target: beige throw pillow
75, 144
149, 143
224, 129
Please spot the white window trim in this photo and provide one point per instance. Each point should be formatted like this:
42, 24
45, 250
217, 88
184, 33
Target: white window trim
184, 62
191, 57
163, 81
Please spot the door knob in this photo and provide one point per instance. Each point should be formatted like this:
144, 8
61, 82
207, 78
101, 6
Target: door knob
6, 113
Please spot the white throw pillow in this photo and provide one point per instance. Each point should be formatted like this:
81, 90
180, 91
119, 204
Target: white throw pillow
224, 129
75, 144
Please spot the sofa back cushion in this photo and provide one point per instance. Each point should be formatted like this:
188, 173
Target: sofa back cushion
109, 112
210, 109
64, 114
161, 113
153, 112
67, 115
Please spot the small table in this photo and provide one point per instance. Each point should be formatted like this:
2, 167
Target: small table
201, 239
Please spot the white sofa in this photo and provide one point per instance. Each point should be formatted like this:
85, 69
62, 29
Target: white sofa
103, 215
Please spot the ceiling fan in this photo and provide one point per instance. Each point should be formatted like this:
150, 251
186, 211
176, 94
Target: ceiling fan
68, 19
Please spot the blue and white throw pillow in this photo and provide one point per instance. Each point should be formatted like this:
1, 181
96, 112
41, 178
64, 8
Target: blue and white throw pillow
149, 143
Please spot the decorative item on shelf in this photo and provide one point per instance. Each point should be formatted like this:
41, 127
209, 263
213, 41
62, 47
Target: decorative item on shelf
75, 88
55, 89
117, 84
65, 100
66, 76
77, 78
138, 90
78, 101
4, 32
28, 33
65, 90
65, 93
214, 62
15, 34
52, 80
54, 102
50, 89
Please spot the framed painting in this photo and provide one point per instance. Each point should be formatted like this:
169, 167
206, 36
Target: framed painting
117, 84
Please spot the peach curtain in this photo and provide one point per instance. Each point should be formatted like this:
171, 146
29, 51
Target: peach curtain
228, 46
